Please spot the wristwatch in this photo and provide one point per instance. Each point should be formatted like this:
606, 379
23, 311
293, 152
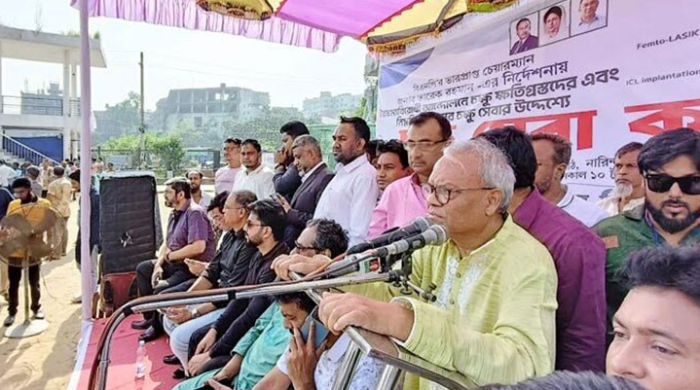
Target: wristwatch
194, 313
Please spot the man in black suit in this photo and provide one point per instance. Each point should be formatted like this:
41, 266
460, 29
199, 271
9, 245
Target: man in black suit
286, 177
526, 41
315, 176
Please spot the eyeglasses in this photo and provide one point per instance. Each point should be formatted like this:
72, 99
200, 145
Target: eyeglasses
662, 183
422, 145
301, 247
251, 224
444, 194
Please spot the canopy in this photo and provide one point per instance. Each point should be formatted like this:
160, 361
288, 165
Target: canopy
385, 25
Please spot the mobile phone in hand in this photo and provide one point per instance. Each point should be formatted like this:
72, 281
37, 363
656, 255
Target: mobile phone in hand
320, 331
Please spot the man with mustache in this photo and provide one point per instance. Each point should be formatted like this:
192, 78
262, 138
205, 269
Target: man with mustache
670, 164
629, 183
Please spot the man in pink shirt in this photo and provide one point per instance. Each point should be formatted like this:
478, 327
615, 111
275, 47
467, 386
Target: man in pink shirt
392, 163
403, 200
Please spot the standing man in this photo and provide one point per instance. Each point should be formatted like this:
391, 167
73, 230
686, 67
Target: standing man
226, 175
494, 317
629, 183
553, 156
403, 201
94, 226
200, 197
579, 257
5, 199
308, 159
34, 175
34, 214
189, 236
392, 163
287, 178
670, 165
351, 195
59, 194
6, 174
256, 177
46, 176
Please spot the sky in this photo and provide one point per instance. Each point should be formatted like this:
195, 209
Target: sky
178, 58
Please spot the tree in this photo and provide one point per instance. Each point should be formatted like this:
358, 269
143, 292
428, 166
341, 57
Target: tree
121, 119
170, 150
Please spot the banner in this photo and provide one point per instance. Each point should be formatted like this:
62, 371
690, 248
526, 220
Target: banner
600, 73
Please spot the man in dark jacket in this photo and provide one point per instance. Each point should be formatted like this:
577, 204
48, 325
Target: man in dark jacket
286, 177
308, 159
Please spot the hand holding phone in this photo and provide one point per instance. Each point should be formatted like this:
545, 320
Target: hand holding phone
320, 331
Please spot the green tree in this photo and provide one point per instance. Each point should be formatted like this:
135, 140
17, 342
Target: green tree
121, 119
170, 150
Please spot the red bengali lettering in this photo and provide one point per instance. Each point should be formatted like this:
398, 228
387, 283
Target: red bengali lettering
670, 115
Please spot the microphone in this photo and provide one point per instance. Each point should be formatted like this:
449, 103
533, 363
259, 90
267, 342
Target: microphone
418, 225
434, 235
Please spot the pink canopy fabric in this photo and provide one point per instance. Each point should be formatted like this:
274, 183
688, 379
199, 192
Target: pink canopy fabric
186, 14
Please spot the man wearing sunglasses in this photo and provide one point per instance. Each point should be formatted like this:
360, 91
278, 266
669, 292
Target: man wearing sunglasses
670, 164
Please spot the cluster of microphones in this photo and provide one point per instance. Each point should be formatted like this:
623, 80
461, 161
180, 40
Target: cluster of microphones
421, 232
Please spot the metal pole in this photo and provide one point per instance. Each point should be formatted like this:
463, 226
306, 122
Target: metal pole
88, 282
142, 128
347, 367
389, 379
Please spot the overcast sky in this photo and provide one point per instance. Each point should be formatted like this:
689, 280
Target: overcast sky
178, 58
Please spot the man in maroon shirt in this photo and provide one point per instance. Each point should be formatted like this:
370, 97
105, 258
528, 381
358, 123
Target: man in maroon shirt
579, 256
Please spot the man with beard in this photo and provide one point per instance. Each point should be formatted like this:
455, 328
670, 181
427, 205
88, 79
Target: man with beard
256, 177
200, 197
94, 226
34, 212
189, 236
629, 183
210, 347
670, 164
350, 197
553, 156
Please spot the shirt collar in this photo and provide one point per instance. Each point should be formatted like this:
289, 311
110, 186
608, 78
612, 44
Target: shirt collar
528, 210
337, 351
567, 199
356, 163
581, 23
306, 175
256, 170
277, 250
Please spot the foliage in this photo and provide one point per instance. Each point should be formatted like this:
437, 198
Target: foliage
170, 150
124, 118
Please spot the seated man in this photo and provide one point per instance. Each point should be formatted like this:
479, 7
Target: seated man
210, 346
255, 355
189, 236
656, 339
228, 269
494, 318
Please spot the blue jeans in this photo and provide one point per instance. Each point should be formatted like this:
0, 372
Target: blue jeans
180, 334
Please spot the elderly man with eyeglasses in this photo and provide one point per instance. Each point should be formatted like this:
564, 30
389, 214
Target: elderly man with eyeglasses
494, 317
670, 164
403, 200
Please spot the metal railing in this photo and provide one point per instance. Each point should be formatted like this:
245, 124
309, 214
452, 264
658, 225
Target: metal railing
23, 152
38, 105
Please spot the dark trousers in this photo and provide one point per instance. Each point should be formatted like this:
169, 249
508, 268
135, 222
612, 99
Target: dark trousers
174, 274
15, 276
216, 362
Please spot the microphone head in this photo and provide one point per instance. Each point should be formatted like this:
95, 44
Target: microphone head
436, 235
421, 224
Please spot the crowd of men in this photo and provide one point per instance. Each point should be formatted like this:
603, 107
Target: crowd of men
531, 280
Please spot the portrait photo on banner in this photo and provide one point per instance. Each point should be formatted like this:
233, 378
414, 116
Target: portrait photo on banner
523, 34
588, 15
554, 23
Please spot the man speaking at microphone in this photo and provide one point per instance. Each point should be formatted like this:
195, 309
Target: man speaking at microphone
494, 318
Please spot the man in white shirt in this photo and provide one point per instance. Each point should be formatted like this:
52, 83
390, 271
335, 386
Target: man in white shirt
59, 194
590, 20
629, 182
226, 175
256, 177
200, 197
6, 173
553, 156
352, 194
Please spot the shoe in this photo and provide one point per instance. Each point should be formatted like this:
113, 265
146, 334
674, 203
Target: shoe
179, 374
9, 320
39, 315
77, 299
150, 334
141, 325
171, 359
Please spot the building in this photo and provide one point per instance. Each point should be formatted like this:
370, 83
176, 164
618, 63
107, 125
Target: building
327, 105
208, 107
45, 124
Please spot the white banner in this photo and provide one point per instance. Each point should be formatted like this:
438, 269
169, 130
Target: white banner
600, 73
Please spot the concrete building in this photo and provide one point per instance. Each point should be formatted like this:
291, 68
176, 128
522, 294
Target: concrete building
209, 107
327, 105
46, 124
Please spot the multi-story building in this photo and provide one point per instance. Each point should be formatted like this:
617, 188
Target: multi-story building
209, 107
327, 105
